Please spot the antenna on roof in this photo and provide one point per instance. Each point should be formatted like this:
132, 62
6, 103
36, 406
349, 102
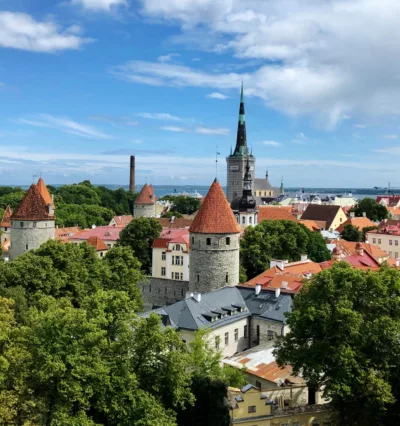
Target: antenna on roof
33, 178
216, 162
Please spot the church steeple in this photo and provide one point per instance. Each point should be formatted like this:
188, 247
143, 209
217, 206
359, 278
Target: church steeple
241, 141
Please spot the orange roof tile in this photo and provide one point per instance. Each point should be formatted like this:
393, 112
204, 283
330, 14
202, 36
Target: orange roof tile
312, 225
179, 222
123, 220
5, 246
394, 211
146, 195
215, 215
179, 236
274, 213
41, 186
66, 232
32, 207
348, 248
6, 220
358, 222
97, 243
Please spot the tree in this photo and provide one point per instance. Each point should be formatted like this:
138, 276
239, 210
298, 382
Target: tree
366, 230
343, 338
372, 209
80, 193
83, 215
351, 233
139, 235
183, 204
170, 214
279, 239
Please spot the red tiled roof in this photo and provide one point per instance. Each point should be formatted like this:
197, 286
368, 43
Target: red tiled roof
312, 225
215, 215
274, 213
97, 243
123, 220
6, 220
62, 233
41, 186
105, 233
179, 222
146, 195
348, 248
358, 222
390, 200
32, 207
178, 236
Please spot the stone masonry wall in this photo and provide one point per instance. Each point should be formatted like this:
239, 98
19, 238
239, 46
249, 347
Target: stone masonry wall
144, 210
213, 266
158, 292
30, 236
235, 177
265, 326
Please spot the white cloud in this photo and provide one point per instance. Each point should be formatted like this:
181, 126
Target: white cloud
159, 116
175, 129
272, 143
169, 57
21, 31
391, 136
315, 55
124, 120
100, 5
211, 131
389, 150
65, 125
301, 136
217, 95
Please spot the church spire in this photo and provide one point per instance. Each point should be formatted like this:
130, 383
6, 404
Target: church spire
241, 141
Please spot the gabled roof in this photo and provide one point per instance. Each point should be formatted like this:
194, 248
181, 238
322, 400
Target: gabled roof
275, 213
215, 215
348, 248
123, 220
262, 184
146, 195
358, 222
41, 186
179, 222
97, 243
178, 236
321, 212
105, 233
65, 233
312, 225
6, 220
32, 207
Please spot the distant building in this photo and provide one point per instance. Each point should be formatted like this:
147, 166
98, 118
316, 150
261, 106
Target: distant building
387, 238
351, 248
64, 234
175, 222
264, 189
389, 200
359, 222
145, 203
5, 225
331, 217
100, 246
108, 234
121, 221
275, 213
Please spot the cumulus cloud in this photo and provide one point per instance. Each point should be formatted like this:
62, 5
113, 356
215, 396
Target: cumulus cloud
175, 129
330, 59
169, 57
272, 143
21, 31
100, 5
217, 95
158, 116
211, 131
115, 121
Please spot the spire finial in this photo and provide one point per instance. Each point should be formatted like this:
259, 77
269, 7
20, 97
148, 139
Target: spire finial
241, 93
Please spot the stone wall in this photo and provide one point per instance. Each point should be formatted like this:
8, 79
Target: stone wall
5, 234
265, 326
236, 168
161, 291
144, 210
31, 235
215, 265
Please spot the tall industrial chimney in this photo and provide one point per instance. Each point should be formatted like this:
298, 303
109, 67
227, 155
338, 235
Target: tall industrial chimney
132, 175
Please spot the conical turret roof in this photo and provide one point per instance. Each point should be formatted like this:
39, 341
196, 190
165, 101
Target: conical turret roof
41, 186
215, 215
6, 219
146, 195
33, 207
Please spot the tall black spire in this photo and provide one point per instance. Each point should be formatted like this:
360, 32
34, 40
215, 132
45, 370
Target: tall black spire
241, 141
247, 202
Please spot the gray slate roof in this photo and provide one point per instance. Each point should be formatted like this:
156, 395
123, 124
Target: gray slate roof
192, 315
262, 184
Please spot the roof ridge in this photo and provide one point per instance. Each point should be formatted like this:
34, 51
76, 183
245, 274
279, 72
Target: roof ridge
33, 206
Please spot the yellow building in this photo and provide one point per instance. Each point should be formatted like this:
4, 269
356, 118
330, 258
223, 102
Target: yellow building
250, 406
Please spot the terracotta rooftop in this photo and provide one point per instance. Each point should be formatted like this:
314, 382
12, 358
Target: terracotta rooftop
358, 222
41, 186
394, 211
179, 222
348, 248
123, 220
105, 233
321, 212
97, 243
389, 200
215, 215
146, 195
32, 207
178, 236
275, 213
312, 225
6, 220
65, 233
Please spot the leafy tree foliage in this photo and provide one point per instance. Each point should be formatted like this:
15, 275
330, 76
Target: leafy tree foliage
366, 230
343, 337
10, 196
372, 209
279, 239
139, 235
183, 204
352, 233
170, 214
82, 215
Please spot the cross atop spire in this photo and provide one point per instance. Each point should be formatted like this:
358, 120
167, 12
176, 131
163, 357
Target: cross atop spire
241, 140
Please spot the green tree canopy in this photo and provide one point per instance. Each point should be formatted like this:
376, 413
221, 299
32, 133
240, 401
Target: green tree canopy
183, 204
83, 215
344, 339
351, 233
372, 209
279, 239
170, 214
139, 235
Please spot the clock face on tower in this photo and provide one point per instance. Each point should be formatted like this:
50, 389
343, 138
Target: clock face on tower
247, 186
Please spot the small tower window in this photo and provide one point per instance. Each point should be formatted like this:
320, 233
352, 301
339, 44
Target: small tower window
228, 241
198, 278
226, 278
26, 247
34, 224
192, 240
243, 220
208, 241
250, 220
21, 224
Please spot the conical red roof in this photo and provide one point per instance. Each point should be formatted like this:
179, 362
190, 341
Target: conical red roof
32, 207
146, 195
6, 220
41, 186
215, 215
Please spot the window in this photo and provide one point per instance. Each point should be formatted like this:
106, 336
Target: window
390, 242
177, 275
245, 331
243, 220
373, 240
198, 278
236, 334
396, 254
178, 260
226, 339
172, 275
34, 224
26, 247
208, 241
226, 278
390, 254
250, 220
396, 242
163, 256
251, 409
270, 335
216, 342
258, 384
228, 240
296, 424
173, 260
101, 253
21, 224
181, 277
163, 271
5, 229
177, 247
379, 241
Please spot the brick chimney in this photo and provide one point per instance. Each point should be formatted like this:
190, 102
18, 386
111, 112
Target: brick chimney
359, 249
132, 174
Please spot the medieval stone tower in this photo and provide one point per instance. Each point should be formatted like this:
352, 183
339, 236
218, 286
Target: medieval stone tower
33, 222
5, 225
237, 160
145, 203
214, 244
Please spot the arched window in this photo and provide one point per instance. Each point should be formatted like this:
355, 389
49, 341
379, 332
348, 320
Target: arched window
177, 247
250, 220
243, 220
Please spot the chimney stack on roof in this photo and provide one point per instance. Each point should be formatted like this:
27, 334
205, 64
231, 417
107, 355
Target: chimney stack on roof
352, 214
359, 249
278, 263
364, 214
336, 253
197, 296
277, 292
257, 289
284, 285
303, 257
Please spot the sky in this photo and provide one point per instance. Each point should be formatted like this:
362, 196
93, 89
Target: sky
86, 83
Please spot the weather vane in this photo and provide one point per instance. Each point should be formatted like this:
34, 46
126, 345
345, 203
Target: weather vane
216, 162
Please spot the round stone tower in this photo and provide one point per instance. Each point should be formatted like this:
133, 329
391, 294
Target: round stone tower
33, 222
145, 203
214, 244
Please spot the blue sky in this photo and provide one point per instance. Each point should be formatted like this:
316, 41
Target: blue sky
86, 83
